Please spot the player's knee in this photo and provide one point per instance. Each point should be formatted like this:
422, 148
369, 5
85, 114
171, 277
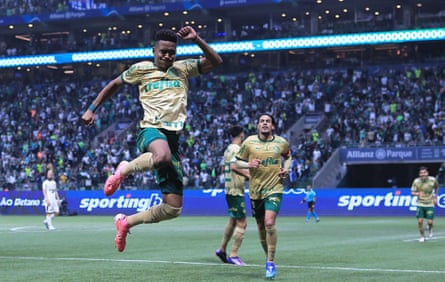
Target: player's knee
173, 212
269, 222
271, 230
161, 159
241, 224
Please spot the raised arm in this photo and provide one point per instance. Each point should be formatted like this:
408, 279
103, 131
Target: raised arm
211, 58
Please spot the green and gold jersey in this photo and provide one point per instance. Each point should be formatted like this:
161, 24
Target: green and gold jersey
163, 95
233, 182
264, 180
429, 187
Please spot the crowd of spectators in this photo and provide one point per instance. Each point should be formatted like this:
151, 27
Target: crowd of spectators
373, 106
35, 7
100, 37
39, 112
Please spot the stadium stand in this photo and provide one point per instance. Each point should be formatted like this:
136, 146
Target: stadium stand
372, 102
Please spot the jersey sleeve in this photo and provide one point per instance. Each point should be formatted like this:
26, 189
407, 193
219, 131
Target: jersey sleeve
190, 66
243, 153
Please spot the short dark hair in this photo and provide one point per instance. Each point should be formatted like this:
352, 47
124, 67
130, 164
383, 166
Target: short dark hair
235, 130
166, 35
423, 168
266, 114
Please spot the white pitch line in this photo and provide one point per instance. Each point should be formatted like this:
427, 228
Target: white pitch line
41, 228
27, 229
426, 239
222, 264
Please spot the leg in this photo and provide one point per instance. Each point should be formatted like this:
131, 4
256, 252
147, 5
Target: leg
430, 228
170, 208
421, 229
228, 232
52, 210
47, 215
235, 229
308, 215
271, 234
420, 215
314, 213
271, 239
170, 179
157, 155
262, 233
272, 207
238, 236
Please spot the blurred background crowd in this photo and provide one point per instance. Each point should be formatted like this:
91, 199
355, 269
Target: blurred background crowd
395, 100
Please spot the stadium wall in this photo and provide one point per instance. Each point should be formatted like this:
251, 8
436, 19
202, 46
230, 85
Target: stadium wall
211, 202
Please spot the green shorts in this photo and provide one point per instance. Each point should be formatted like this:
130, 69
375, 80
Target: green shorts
236, 206
170, 177
270, 203
425, 212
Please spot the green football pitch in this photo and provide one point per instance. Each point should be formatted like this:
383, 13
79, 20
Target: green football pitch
335, 249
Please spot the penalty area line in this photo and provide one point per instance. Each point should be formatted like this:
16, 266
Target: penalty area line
330, 268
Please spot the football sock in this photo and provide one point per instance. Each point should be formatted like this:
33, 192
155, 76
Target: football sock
155, 214
315, 215
238, 236
142, 163
228, 232
49, 219
421, 230
308, 216
271, 238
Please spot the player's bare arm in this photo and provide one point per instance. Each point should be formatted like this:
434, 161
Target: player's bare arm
211, 58
255, 163
284, 171
244, 172
109, 90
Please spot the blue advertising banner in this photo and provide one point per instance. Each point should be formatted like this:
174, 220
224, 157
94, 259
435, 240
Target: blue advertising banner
211, 202
388, 155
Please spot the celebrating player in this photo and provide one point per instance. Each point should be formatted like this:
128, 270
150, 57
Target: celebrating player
163, 89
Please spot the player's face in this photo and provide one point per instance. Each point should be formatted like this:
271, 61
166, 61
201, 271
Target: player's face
164, 54
265, 125
423, 173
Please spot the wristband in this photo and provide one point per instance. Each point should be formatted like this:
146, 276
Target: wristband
92, 108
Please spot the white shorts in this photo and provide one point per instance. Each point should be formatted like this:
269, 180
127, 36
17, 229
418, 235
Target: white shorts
53, 207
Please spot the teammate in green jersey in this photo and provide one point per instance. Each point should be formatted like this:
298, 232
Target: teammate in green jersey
426, 188
234, 179
268, 159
